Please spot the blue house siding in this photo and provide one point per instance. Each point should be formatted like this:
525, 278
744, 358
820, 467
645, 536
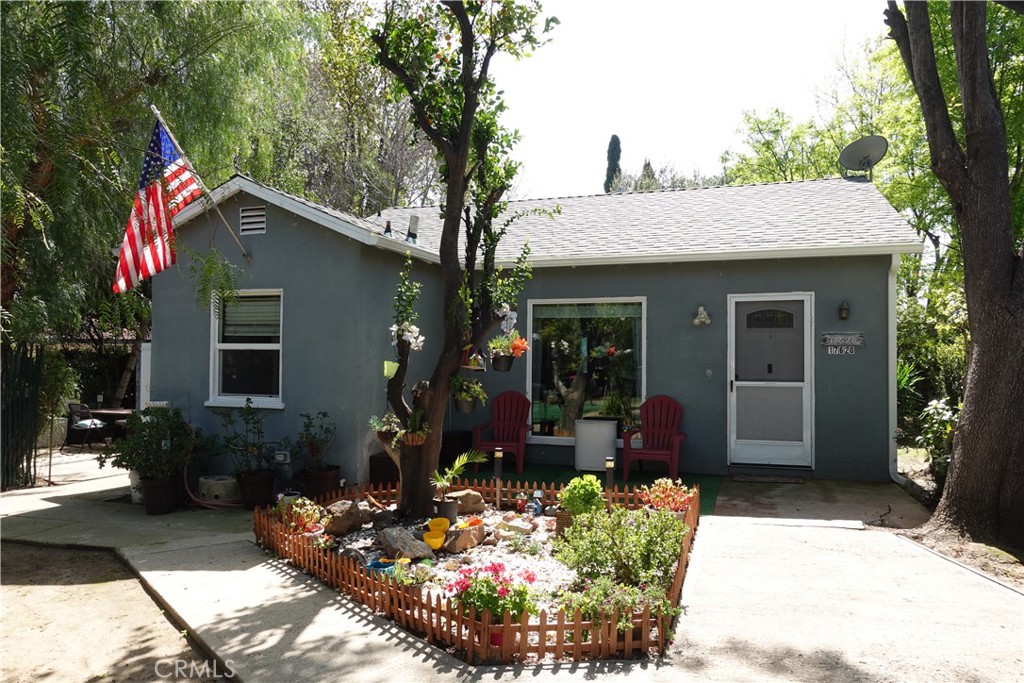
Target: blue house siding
336, 309
338, 277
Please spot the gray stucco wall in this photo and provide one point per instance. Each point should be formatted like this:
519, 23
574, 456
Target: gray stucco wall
337, 297
336, 308
690, 363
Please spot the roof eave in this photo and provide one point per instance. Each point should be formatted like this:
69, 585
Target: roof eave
882, 249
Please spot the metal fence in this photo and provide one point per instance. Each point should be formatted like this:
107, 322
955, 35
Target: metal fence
20, 375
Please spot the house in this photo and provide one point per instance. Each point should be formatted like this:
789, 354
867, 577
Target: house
768, 311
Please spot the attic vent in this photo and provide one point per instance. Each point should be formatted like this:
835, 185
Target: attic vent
252, 220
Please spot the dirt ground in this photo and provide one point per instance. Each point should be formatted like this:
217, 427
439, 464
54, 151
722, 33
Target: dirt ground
1004, 565
80, 615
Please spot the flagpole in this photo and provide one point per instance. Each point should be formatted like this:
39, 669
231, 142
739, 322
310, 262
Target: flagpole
202, 185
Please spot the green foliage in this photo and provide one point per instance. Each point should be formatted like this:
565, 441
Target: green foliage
581, 495
156, 444
58, 386
406, 295
519, 543
302, 515
443, 482
601, 595
491, 587
633, 547
77, 79
389, 422
938, 422
665, 494
244, 436
214, 279
468, 388
614, 169
316, 436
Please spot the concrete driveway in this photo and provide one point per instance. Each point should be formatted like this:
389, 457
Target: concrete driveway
772, 597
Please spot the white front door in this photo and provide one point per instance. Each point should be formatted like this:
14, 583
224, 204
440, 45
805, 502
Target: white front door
770, 371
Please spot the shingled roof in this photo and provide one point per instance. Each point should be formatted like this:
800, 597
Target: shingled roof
830, 217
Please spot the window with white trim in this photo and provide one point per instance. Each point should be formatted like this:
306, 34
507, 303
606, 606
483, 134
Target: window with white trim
587, 361
247, 348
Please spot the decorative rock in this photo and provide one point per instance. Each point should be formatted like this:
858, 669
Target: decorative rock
382, 518
451, 565
399, 542
510, 516
470, 501
551, 510
346, 515
516, 526
355, 553
458, 540
490, 540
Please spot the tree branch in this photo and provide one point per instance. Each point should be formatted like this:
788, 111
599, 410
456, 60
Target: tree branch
913, 36
412, 89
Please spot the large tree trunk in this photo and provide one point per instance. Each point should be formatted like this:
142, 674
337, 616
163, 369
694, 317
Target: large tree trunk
984, 494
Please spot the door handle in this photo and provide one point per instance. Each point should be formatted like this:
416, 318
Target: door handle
730, 386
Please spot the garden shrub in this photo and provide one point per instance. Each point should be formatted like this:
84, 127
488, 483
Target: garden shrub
632, 547
593, 597
938, 422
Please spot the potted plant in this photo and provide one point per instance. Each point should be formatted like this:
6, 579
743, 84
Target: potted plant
504, 348
249, 453
467, 392
443, 482
302, 515
156, 444
416, 428
665, 494
387, 427
581, 495
491, 587
316, 437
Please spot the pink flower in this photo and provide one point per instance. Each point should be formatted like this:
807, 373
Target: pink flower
528, 575
502, 591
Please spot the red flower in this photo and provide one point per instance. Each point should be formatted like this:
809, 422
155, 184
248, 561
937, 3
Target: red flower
612, 351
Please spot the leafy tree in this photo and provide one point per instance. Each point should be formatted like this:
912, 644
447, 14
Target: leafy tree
984, 494
76, 84
613, 170
440, 56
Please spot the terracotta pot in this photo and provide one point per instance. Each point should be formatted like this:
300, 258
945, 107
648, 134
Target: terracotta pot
162, 496
417, 439
316, 483
257, 488
501, 363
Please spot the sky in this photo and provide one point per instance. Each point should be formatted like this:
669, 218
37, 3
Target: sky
670, 78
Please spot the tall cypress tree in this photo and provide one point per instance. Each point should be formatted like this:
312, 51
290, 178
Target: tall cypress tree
614, 152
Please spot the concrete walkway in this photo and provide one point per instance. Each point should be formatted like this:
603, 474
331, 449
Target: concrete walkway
767, 598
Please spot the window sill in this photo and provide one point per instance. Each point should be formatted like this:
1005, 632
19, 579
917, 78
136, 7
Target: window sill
262, 402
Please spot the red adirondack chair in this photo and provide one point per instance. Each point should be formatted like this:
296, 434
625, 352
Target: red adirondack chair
660, 420
510, 423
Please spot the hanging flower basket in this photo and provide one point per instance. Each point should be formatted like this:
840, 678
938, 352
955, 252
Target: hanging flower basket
501, 363
465, 405
415, 438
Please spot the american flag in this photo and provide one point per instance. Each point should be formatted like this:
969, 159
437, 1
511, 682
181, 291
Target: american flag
166, 187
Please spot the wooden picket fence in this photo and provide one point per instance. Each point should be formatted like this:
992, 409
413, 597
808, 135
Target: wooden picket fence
444, 624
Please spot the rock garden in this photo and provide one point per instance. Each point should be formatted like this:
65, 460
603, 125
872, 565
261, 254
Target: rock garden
516, 572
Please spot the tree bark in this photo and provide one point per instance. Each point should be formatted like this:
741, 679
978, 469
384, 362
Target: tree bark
984, 493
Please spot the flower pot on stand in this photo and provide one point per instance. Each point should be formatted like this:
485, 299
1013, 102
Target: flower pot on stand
162, 496
320, 482
449, 509
501, 363
257, 488
464, 405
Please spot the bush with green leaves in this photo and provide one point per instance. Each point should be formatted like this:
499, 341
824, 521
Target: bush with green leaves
157, 443
938, 422
581, 495
632, 547
593, 597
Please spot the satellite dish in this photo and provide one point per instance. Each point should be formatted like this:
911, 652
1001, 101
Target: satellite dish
863, 154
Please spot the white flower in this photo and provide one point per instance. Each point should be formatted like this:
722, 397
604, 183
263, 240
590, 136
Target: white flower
409, 333
509, 322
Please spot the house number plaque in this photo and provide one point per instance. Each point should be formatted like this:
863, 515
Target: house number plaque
842, 343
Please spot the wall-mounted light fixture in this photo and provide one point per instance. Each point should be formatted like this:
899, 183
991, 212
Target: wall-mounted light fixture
844, 311
702, 317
